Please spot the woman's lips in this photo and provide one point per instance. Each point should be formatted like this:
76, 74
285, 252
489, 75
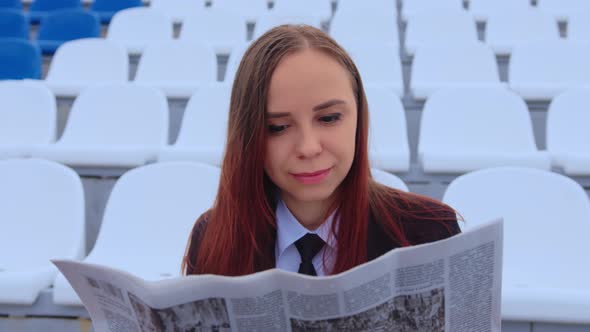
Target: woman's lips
312, 178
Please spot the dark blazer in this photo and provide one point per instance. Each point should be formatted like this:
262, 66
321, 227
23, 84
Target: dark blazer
419, 226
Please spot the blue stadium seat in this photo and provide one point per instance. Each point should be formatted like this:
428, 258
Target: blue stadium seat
13, 4
105, 9
19, 59
65, 25
40, 8
13, 24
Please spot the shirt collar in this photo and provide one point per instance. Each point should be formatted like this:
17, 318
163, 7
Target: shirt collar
290, 230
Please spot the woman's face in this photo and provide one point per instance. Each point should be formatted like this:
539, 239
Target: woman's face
312, 118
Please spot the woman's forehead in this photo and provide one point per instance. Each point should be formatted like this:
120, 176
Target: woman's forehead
308, 78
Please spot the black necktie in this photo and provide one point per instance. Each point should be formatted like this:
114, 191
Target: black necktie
308, 246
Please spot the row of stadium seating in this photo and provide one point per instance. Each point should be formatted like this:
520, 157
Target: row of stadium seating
537, 71
504, 29
559, 9
158, 204
127, 125
39, 9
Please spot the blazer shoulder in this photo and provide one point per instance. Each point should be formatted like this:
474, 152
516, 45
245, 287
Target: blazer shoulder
427, 220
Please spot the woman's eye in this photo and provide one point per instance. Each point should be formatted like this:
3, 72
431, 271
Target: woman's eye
330, 118
273, 129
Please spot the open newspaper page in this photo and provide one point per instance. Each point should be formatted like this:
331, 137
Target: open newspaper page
449, 285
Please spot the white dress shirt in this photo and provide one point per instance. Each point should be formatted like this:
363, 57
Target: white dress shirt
290, 230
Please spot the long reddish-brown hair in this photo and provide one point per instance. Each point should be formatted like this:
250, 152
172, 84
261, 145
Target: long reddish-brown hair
241, 228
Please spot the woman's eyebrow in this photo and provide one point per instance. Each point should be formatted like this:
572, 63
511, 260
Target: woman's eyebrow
328, 103
324, 105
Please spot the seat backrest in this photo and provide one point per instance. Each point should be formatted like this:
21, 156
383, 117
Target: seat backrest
578, 26
271, 20
11, 4
412, 7
215, 25
50, 5
69, 24
349, 8
41, 213
557, 62
388, 179
440, 27
178, 10
505, 29
387, 120
19, 59
538, 207
177, 61
376, 27
118, 114
378, 63
469, 62
13, 24
322, 8
89, 60
476, 120
481, 9
151, 211
260, 6
114, 5
562, 9
567, 123
28, 114
205, 118
140, 25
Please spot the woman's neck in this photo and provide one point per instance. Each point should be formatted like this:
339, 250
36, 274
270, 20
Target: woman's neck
310, 214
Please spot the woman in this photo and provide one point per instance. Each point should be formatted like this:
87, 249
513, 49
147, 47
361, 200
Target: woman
296, 191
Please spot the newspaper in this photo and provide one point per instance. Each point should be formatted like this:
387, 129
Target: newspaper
448, 285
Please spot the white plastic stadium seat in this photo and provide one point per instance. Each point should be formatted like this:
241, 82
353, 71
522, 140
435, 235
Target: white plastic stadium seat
506, 29
221, 29
27, 118
178, 68
567, 131
204, 127
578, 26
472, 128
42, 218
250, 10
382, 29
541, 282
178, 10
85, 62
563, 9
378, 63
411, 7
320, 8
459, 65
350, 8
388, 138
271, 20
542, 70
482, 9
116, 125
147, 220
388, 179
442, 27
137, 27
